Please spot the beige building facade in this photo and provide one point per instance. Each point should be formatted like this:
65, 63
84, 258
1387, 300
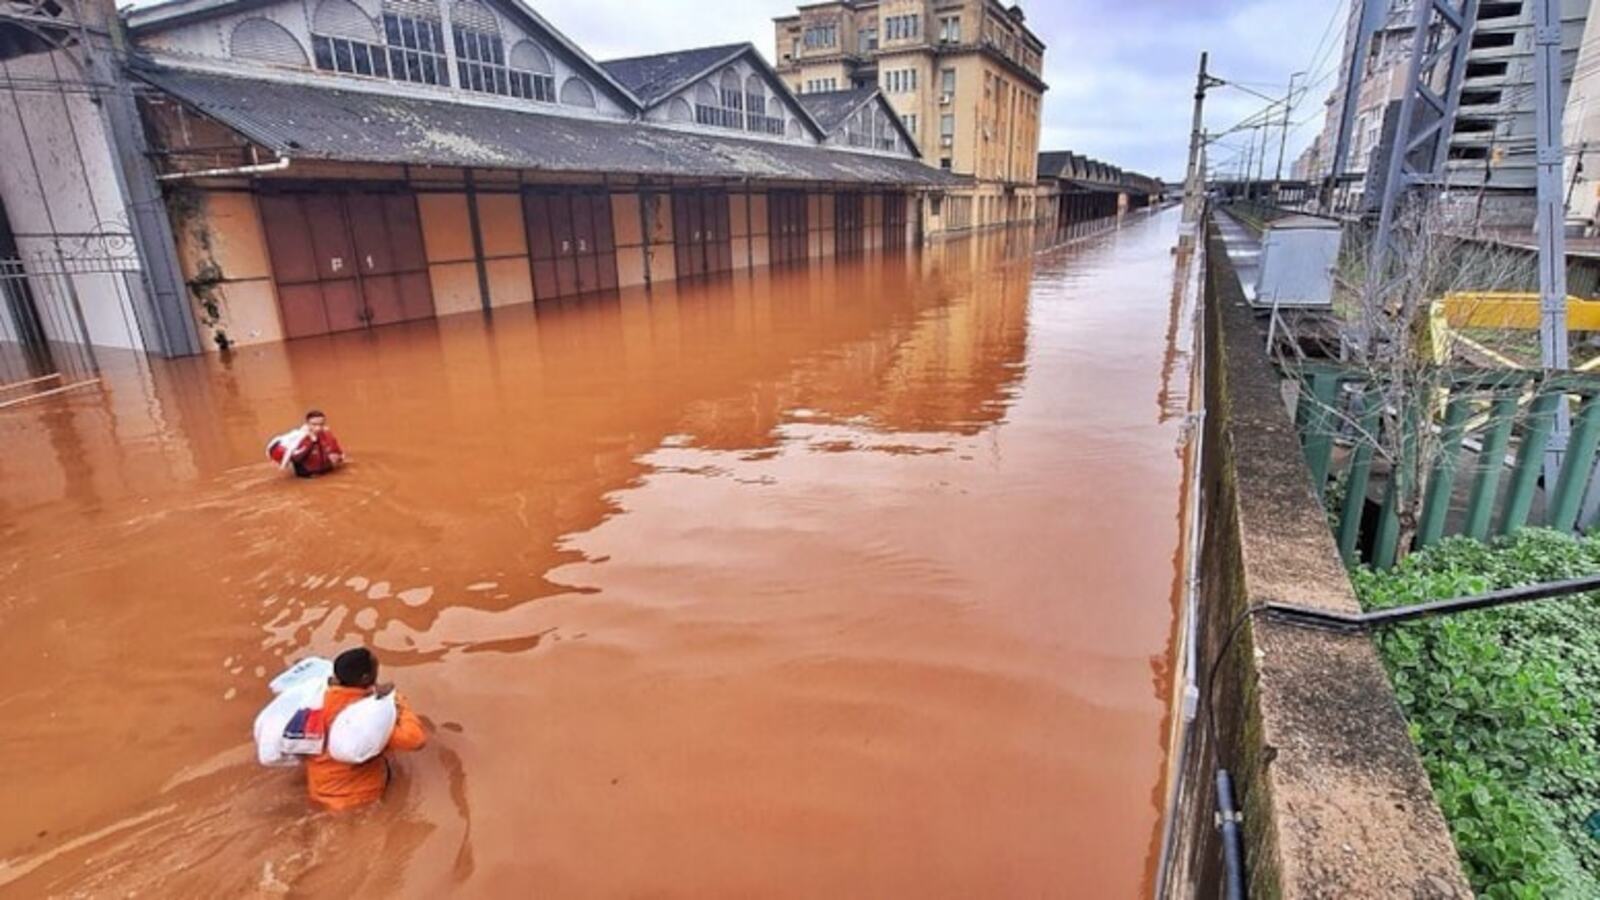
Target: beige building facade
964, 77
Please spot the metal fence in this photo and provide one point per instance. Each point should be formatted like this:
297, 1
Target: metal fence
1481, 424
61, 310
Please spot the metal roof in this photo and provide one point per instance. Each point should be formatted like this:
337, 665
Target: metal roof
652, 78
831, 108
310, 121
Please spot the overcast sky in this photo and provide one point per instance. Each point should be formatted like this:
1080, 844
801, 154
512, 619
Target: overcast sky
1121, 72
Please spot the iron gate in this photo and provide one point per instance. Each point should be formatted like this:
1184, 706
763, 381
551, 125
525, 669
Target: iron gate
61, 310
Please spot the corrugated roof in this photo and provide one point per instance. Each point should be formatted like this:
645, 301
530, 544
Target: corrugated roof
301, 120
831, 108
1053, 163
652, 78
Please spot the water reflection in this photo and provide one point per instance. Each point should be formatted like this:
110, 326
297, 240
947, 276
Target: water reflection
865, 554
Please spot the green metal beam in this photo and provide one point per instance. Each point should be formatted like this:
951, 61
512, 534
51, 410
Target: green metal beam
1575, 466
1355, 494
1530, 458
1442, 479
1491, 459
1317, 430
1386, 548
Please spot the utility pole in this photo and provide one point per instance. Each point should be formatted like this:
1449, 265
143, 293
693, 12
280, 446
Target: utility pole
1195, 185
1550, 223
1261, 158
1249, 167
1283, 136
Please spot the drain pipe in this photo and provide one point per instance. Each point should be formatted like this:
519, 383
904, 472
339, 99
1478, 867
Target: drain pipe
1228, 819
277, 165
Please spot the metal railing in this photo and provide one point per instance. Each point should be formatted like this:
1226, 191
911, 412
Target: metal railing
1502, 417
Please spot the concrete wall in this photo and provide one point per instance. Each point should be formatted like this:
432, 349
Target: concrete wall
1335, 800
59, 178
220, 240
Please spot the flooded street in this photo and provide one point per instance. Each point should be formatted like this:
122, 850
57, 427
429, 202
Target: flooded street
855, 581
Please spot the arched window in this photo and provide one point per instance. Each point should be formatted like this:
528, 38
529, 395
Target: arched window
755, 104
679, 110
264, 40
532, 76
480, 51
884, 129
720, 105
576, 92
796, 130
415, 35
858, 132
344, 40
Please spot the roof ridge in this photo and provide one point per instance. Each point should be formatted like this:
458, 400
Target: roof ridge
739, 45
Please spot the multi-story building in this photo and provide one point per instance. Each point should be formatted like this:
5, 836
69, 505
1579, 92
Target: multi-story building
1490, 160
1582, 135
965, 76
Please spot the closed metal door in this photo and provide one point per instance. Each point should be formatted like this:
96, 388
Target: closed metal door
541, 241
343, 261
294, 266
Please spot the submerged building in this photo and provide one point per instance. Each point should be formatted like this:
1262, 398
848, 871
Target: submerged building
964, 76
339, 164
194, 175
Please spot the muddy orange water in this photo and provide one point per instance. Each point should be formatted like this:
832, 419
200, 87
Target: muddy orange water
854, 581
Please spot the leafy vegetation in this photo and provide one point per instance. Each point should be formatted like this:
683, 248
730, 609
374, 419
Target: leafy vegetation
1501, 706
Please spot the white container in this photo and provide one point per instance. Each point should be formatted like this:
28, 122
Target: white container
1298, 256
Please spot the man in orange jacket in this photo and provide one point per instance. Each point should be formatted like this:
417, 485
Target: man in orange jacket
337, 785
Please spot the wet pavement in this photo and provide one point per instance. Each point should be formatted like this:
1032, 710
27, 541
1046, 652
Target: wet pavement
849, 581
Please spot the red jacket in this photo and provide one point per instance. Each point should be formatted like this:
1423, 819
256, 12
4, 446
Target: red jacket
312, 456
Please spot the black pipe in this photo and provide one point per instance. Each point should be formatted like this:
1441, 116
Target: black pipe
1335, 620
1232, 852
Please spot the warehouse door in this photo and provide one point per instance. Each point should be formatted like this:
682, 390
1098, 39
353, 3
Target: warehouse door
344, 261
787, 226
701, 240
849, 219
894, 221
569, 233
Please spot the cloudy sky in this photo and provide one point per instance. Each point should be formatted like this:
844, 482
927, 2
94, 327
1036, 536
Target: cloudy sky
1121, 72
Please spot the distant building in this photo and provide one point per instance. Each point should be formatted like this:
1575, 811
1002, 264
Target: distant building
1582, 136
964, 76
1490, 163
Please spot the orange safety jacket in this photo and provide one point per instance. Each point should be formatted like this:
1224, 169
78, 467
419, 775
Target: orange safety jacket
338, 785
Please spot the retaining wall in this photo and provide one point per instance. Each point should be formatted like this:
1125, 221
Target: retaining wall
1334, 796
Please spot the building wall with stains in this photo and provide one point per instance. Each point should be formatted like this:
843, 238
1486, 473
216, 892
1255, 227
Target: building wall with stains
60, 182
475, 243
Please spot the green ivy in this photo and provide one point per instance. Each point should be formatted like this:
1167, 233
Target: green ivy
1501, 706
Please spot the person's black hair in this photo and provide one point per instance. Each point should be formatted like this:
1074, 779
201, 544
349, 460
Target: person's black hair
356, 668
316, 414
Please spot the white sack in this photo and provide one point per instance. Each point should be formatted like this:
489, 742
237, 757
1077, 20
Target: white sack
272, 748
362, 729
311, 667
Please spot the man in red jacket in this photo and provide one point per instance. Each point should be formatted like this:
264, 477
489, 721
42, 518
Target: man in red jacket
311, 449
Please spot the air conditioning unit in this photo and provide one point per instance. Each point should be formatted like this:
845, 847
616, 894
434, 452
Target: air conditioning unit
945, 99
947, 140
